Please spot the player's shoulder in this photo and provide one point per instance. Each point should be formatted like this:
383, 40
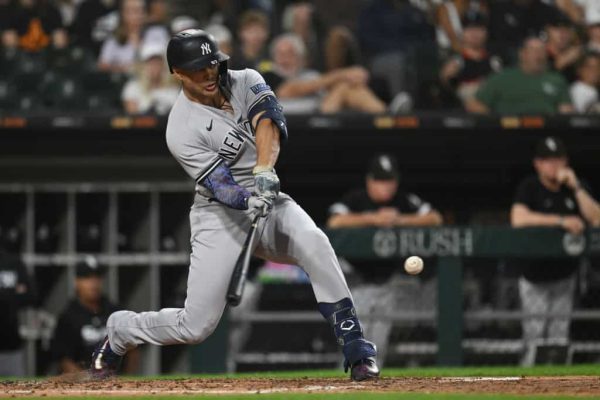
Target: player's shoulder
184, 116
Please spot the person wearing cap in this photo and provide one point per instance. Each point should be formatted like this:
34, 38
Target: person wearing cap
553, 197
151, 89
526, 89
563, 50
465, 71
82, 323
382, 286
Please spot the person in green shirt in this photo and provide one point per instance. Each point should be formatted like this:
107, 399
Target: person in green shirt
528, 88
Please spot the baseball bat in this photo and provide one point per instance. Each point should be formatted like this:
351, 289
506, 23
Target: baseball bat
240, 271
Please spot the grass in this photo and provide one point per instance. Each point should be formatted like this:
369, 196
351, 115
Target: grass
550, 370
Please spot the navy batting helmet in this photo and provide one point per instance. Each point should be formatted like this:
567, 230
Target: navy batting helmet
194, 49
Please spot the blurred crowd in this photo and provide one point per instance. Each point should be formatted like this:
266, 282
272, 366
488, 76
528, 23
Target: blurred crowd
372, 56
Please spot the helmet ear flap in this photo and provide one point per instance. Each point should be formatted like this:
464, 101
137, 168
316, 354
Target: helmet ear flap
222, 71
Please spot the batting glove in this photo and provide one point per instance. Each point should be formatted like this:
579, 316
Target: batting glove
266, 182
260, 205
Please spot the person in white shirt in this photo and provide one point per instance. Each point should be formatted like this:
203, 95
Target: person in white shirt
584, 92
151, 89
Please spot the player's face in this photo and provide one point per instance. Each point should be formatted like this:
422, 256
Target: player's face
202, 83
547, 168
382, 191
89, 288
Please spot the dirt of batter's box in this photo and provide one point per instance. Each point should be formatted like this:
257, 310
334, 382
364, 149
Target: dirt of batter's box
81, 386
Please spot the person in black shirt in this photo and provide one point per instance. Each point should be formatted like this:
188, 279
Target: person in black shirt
15, 293
82, 324
34, 25
554, 197
514, 20
466, 71
383, 287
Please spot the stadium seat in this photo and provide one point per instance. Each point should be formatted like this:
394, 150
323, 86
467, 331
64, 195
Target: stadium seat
31, 102
103, 89
32, 62
9, 62
6, 95
63, 92
75, 60
27, 82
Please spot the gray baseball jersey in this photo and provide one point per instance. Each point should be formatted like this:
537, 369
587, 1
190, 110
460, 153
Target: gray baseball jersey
200, 138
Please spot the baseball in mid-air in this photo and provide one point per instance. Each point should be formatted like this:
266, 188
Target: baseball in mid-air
413, 265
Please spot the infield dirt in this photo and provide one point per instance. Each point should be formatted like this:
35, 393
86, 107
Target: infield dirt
67, 386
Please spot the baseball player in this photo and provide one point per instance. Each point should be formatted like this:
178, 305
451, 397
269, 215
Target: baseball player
225, 130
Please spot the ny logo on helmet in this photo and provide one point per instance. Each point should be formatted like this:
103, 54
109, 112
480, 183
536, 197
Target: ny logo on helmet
205, 47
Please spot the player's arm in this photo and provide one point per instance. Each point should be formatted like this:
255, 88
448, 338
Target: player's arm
522, 216
430, 218
270, 127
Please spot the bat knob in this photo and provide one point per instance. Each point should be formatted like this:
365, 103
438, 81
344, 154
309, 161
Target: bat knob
233, 300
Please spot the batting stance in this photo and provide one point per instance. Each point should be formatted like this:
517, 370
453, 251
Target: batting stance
225, 130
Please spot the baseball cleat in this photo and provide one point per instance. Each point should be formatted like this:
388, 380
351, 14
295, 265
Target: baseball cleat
364, 369
105, 362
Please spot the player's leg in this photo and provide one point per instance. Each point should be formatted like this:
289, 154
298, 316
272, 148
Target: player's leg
217, 237
561, 303
534, 300
290, 235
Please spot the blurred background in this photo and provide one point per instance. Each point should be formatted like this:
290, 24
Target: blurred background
453, 108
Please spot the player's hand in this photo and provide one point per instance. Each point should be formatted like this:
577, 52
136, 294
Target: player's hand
573, 224
384, 217
566, 176
260, 205
266, 184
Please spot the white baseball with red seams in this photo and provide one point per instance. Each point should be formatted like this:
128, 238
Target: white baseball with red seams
413, 265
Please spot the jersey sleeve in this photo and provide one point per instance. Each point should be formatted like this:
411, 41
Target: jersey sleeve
417, 205
346, 205
191, 149
255, 89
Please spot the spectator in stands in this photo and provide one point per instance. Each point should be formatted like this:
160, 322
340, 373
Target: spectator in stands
33, 26
394, 35
593, 35
223, 37
253, 34
381, 202
467, 70
554, 197
94, 22
16, 292
514, 20
572, 9
450, 15
118, 53
563, 49
183, 22
158, 13
306, 91
584, 92
300, 19
83, 321
589, 9
528, 88
151, 89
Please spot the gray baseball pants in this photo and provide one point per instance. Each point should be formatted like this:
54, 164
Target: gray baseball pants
286, 235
